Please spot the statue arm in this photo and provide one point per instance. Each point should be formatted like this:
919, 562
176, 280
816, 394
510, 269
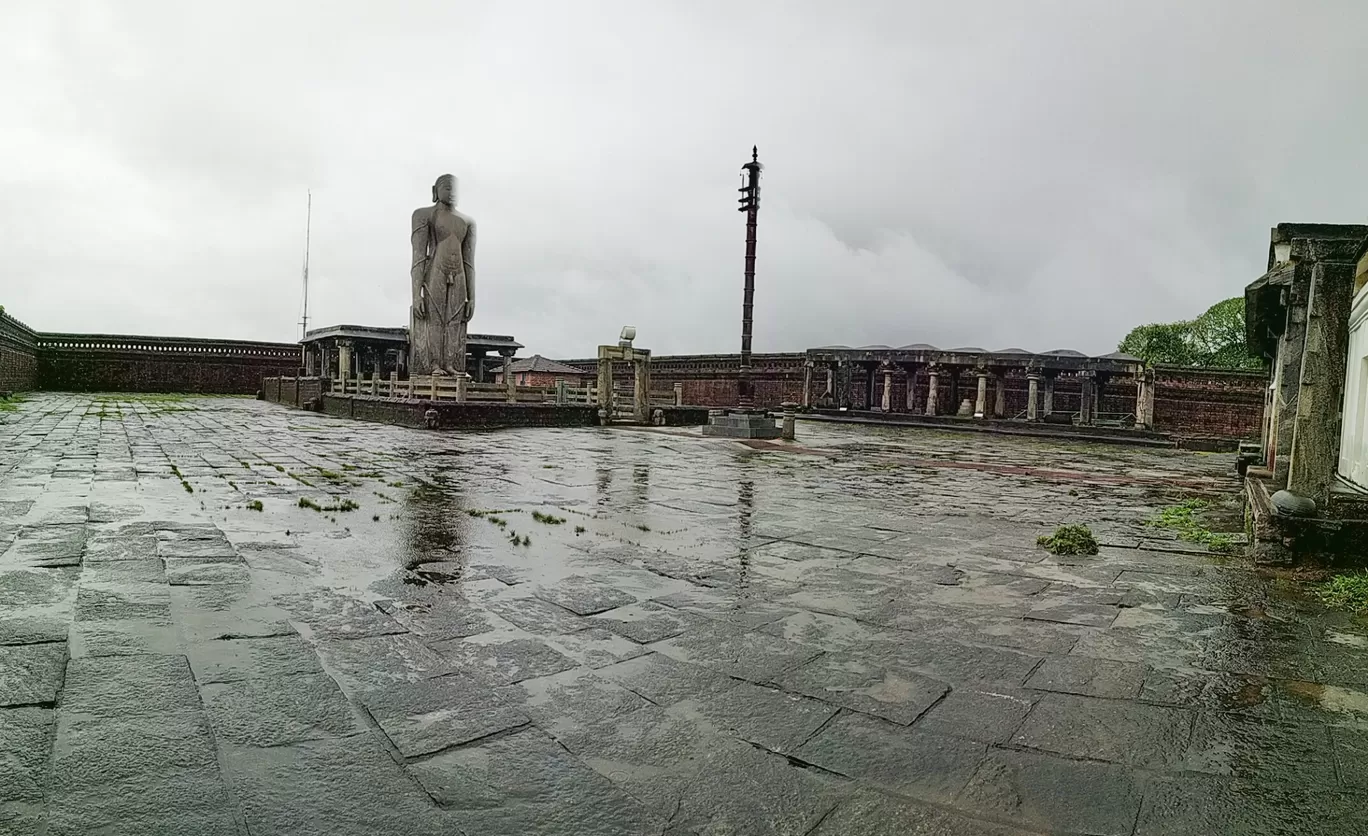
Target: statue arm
468, 261
418, 271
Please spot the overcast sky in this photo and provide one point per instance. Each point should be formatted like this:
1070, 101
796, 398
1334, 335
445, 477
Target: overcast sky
1038, 174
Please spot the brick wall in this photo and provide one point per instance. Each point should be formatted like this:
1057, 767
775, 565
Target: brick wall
18, 355
1215, 403
117, 363
711, 379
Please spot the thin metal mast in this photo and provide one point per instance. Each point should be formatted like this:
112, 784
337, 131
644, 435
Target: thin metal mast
308, 223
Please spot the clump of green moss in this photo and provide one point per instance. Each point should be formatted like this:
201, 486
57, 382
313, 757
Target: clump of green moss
579, 529
256, 505
1346, 592
1074, 538
549, 519
1183, 519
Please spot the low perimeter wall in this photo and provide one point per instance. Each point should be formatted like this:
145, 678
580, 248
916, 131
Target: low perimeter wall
118, 363
451, 415
18, 355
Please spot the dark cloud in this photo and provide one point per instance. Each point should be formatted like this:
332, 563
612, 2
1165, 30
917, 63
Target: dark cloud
1041, 174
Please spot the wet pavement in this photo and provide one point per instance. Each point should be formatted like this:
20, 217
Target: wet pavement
688, 636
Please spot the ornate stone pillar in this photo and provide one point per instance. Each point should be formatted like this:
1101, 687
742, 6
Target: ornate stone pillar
869, 388
807, 383
981, 403
831, 381
641, 388
1085, 397
1047, 396
1000, 395
911, 389
932, 387
887, 403
1032, 387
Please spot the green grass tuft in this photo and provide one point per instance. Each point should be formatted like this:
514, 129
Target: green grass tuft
255, 505
1346, 592
1074, 538
1183, 519
549, 519
579, 529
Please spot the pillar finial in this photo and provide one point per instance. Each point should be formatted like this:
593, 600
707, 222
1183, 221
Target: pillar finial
755, 153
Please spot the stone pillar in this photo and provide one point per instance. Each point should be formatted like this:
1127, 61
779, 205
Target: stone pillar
679, 394
786, 431
461, 381
932, 388
831, 382
344, 361
1032, 387
1047, 396
641, 367
1000, 395
1085, 397
807, 383
981, 404
887, 403
1144, 400
605, 383
869, 389
911, 389
561, 397
954, 388
1315, 437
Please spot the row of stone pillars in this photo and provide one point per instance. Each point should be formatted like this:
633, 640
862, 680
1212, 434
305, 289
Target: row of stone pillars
1039, 397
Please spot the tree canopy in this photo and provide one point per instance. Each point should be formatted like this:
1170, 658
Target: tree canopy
1216, 338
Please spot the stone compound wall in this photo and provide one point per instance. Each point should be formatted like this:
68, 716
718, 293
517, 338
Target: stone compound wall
18, 355
117, 363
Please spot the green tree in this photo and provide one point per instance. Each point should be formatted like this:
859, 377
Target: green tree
1161, 342
1219, 336
1216, 338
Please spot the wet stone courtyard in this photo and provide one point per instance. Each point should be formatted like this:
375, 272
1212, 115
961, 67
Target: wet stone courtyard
219, 616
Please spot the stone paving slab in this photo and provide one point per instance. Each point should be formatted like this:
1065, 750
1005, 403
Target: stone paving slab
861, 638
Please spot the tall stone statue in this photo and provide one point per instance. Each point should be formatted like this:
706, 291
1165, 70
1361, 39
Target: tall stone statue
443, 276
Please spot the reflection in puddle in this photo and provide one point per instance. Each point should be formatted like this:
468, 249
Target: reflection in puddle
433, 532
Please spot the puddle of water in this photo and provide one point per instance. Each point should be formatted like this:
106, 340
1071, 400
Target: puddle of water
1253, 692
1328, 697
1348, 639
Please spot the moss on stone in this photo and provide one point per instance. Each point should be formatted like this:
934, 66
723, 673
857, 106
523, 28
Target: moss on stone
1073, 538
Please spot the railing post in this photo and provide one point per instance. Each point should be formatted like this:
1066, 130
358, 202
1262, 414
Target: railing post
393, 390
510, 385
679, 394
560, 391
432, 383
786, 431
461, 381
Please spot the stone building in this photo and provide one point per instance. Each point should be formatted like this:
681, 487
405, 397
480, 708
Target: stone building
362, 350
1306, 316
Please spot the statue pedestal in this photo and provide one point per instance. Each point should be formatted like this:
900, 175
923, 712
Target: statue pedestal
741, 424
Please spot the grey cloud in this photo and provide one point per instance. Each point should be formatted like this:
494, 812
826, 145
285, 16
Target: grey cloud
1045, 174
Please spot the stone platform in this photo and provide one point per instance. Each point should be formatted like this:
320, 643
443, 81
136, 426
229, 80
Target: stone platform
452, 415
644, 633
741, 425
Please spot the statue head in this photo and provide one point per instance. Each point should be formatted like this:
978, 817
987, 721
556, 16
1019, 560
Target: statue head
444, 190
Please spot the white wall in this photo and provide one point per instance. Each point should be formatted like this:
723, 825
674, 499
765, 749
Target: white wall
1353, 460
